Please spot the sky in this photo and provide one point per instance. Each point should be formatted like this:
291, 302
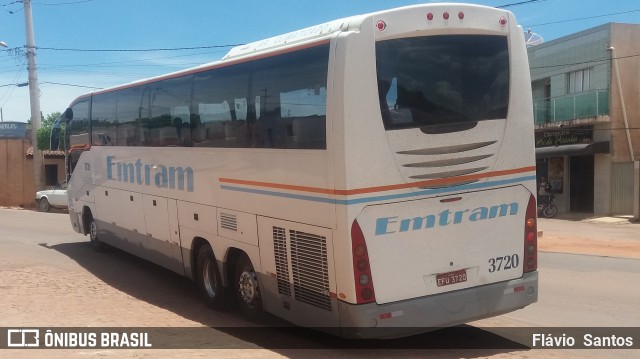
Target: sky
65, 29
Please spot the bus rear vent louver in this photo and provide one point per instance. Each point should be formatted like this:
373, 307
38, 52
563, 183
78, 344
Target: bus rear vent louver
229, 221
308, 263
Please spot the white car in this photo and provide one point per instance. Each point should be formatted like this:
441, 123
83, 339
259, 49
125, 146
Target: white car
55, 197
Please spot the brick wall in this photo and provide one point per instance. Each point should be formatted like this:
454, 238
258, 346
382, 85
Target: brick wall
17, 186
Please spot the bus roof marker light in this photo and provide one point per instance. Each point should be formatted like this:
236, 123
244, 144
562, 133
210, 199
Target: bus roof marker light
381, 25
445, 16
460, 15
430, 16
503, 21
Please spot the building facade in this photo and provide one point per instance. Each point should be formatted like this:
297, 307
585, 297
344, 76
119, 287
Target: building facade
586, 92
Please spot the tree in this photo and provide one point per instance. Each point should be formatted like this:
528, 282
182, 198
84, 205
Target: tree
44, 132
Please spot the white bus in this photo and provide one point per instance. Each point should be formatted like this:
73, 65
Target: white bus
371, 176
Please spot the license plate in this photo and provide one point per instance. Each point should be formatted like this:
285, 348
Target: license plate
449, 278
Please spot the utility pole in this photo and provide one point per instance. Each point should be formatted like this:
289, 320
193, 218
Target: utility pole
2, 44
34, 95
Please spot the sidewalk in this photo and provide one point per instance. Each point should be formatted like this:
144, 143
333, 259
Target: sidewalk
590, 235
591, 218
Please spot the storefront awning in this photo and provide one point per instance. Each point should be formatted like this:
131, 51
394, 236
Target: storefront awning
573, 150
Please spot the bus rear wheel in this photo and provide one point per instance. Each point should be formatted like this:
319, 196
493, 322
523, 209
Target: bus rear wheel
247, 288
209, 279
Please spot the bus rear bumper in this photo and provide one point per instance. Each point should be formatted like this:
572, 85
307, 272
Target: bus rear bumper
429, 313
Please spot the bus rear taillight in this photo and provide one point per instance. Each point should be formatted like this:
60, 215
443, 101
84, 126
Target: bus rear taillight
361, 267
531, 237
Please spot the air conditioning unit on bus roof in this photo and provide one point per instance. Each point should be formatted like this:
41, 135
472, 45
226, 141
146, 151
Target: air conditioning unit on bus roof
291, 38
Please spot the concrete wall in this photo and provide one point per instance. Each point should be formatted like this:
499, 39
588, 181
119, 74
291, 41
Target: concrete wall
627, 47
582, 50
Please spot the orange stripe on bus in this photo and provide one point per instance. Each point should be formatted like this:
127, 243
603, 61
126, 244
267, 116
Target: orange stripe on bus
347, 192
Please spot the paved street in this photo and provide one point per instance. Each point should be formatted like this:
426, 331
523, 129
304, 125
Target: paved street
50, 277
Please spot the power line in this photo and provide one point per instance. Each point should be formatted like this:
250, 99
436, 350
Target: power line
138, 62
16, 2
585, 18
63, 84
62, 3
138, 50
12, 3
16, 84
7, 94
606, 59
518, 3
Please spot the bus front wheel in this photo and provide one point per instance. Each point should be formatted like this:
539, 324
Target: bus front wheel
209, 280
93, 235
247, 288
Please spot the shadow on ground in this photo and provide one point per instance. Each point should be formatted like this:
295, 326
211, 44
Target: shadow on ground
162, 288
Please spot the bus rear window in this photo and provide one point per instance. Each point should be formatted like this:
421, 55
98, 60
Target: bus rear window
436, 80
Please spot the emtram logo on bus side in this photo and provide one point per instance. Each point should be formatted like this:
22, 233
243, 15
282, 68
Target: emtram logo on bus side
169, 177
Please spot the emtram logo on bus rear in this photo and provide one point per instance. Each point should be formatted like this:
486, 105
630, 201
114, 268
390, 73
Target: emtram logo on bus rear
388, 225
138, 172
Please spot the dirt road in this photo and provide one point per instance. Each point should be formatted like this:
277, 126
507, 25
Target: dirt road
604, 236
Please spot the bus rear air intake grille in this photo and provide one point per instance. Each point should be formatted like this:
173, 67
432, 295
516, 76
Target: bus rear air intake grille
447, 162
449, 174
447, 149
228, 221
282, 262
310, 269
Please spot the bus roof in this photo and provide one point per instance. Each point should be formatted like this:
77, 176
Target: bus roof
289, 39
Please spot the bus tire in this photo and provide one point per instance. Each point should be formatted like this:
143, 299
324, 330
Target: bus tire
209, 279
247, 288
96, 244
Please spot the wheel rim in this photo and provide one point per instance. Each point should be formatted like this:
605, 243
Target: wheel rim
550, 211
209, 279
44, 204
93, 232
248, 288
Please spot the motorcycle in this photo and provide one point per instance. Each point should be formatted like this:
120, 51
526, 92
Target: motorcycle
546, 208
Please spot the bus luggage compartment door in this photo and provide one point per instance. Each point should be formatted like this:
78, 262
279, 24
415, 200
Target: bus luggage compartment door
435, 245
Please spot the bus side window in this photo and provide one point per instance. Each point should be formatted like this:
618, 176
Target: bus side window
221, 107
73, 158
104, 126
132, 111
290, 92
78, 131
